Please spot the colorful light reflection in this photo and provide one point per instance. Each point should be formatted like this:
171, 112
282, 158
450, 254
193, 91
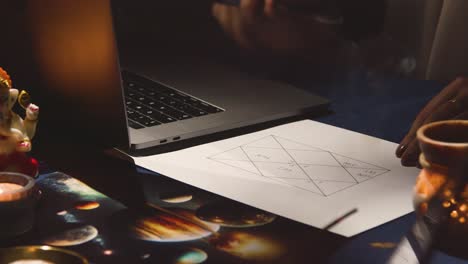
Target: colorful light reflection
164, 227
194, 256
247, 246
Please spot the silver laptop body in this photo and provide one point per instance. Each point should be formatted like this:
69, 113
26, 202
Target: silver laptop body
243, 100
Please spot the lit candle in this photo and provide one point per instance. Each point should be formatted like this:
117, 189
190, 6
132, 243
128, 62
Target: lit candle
17, 200
15, 186
31, 261
9, 187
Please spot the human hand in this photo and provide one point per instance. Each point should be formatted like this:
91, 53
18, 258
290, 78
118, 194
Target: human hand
266, 26
450, 103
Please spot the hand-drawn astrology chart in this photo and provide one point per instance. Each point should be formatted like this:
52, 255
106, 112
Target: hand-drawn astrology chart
313, 169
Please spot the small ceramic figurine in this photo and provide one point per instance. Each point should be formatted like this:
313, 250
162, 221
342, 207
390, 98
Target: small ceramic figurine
16, 133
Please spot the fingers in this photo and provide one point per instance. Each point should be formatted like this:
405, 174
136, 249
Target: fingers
269, 9
273, 9
239, 22
411, 155
223, 14
228, 18
444, 96
446, 111
251, 10
455, 108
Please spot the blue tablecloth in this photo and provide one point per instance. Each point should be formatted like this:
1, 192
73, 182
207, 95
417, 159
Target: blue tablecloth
383, 108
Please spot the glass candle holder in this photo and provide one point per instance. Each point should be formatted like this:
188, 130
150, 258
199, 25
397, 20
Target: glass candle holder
18, 195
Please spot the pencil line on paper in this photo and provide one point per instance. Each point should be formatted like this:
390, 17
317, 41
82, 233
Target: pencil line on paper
340, 219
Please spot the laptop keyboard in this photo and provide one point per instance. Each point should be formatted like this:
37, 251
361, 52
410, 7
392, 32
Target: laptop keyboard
150, 103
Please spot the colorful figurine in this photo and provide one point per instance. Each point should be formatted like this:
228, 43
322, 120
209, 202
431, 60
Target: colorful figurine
16, 133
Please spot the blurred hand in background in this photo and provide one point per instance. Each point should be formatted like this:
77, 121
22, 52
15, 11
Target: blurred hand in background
271, 27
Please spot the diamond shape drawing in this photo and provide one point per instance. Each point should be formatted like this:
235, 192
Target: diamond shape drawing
299, 165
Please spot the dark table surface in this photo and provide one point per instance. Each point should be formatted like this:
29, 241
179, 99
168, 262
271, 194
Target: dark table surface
377, 106
385, 108
382, 107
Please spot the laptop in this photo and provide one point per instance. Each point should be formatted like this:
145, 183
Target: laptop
87, 95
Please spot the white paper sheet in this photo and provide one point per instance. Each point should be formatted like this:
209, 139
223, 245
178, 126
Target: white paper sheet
306, 171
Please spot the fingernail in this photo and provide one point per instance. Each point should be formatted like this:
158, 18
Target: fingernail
410, 160
400, 150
